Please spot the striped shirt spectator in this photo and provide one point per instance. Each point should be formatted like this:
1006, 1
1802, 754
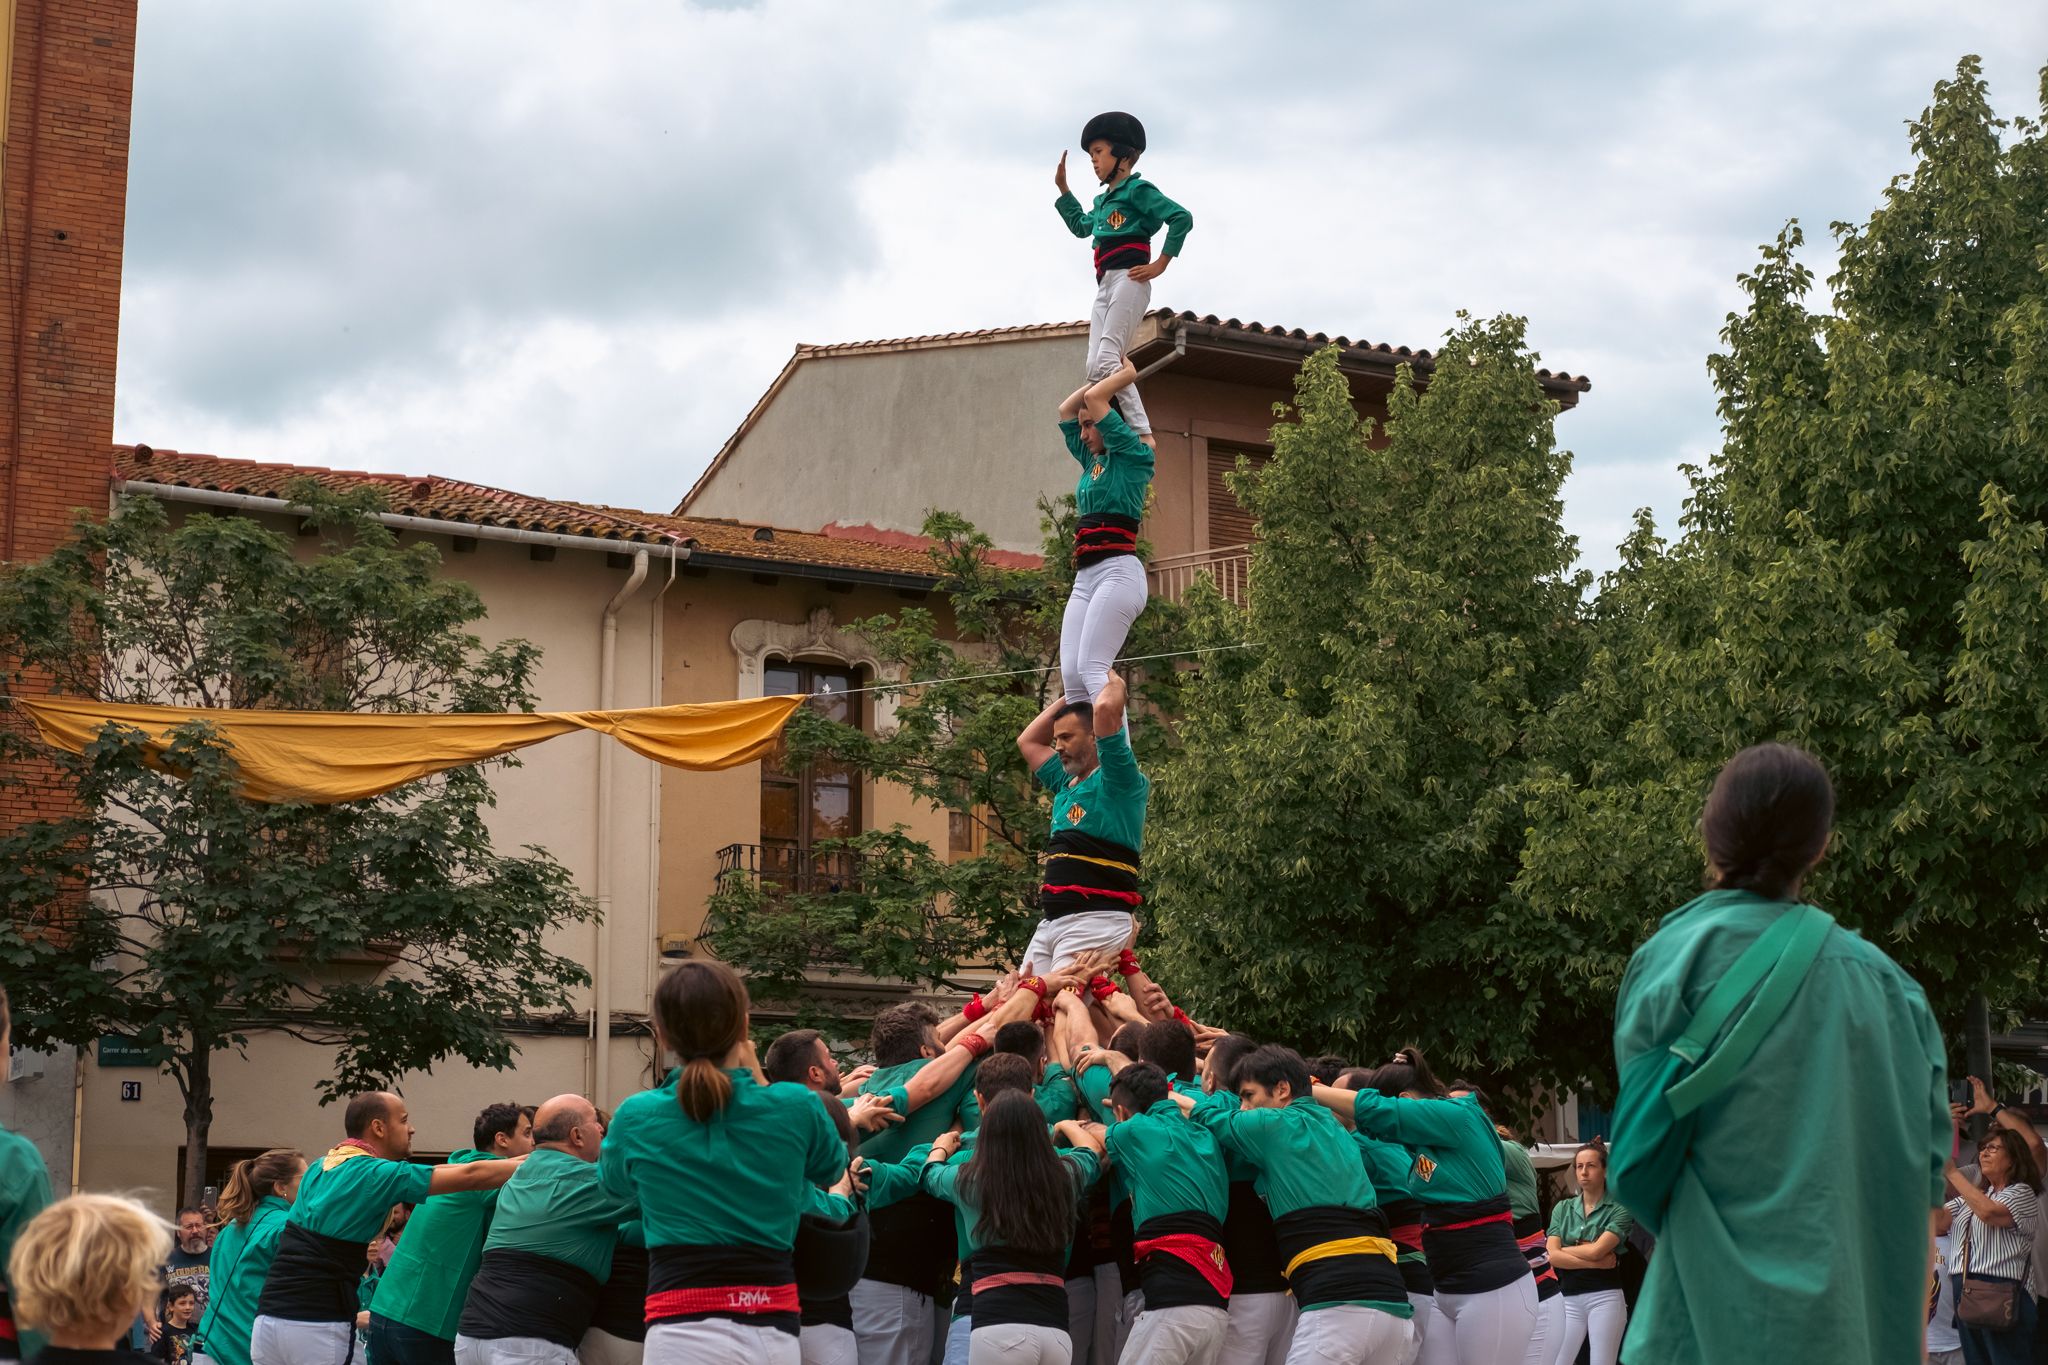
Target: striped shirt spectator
1995, 1250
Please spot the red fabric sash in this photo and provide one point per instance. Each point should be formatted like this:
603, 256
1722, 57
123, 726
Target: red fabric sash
742, 1299
1144, 248
1537, 1242
7, 1329
1408, 1236
1128, 897
1009, 1277
1201, 1253
1475, 1223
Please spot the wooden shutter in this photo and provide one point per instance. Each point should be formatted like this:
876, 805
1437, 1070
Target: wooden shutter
1229, 523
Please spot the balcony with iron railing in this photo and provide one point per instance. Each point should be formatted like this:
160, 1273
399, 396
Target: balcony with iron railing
1228, 566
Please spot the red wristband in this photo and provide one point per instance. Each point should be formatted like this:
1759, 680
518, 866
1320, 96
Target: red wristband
1046, 1012
1127, 963
1034, 984
1181, 1015
1102, 987
975, 1009
975, 1043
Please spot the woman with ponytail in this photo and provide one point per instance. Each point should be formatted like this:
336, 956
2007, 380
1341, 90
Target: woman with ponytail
1784, 1136
252, 1211
722, 1165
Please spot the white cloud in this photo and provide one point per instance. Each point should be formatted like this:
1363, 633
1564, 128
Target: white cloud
564, 250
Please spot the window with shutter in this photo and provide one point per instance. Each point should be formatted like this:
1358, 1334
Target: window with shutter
1229, 523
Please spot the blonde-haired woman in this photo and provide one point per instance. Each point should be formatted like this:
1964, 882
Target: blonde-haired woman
81, 1271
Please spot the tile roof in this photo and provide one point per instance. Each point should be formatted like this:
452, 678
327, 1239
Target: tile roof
457, 500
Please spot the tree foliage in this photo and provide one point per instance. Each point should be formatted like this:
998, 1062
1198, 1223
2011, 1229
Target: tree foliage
171, 910
1861, 571
915, 913
1334, 838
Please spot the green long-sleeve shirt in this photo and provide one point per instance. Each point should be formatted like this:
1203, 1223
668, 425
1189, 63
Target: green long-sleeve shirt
942, 1180
24, 1193
428, 1278
1117, 481
1797, 1226
1304, 1157
1133, 207
739, 1177
1057, 1099
1170, 1163
556, 1205
1457, 1153
237, 1266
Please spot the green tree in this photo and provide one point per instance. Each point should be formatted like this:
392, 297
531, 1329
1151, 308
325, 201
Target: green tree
1334, 839
1861, 572
914, 913
175, 912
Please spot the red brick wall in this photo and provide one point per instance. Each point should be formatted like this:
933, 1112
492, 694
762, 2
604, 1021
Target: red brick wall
63, 210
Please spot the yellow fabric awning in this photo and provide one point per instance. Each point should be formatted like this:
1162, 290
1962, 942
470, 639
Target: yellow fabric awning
325, 756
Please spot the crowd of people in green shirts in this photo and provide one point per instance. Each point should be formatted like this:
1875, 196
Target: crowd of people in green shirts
1069, 1167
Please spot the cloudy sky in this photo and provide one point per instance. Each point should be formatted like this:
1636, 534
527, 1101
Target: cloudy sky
562, 249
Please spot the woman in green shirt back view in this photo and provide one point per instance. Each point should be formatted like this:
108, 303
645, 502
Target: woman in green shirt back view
253, 1208
1792, 1220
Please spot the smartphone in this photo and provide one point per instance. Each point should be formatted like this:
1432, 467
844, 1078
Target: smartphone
1959, 1092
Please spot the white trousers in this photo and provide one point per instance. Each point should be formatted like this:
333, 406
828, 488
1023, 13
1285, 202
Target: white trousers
720, 1341
1491, 1328
1602, 1316
827, 1343
1548, 1338
1020, 1344
1108, 596
600, 1347
511, 1351
1189, 1335
1058, 942
1349, 1334
1120, 304
1260, 1330
893, 1325
1433, 1344
278, 1341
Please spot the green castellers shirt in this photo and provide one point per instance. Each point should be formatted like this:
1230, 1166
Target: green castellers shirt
24, 1193
429, 1274
941, 1179
238, 1264
1457, 1153
1170, 1162
556, 1205
1056, 1096
923, 1125
1117, 480
739, 1177
1109, 803
1129, 210
1797, 1226
347, 1195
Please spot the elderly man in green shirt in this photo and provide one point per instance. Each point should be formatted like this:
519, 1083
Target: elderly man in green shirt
550, 1247
419, 1295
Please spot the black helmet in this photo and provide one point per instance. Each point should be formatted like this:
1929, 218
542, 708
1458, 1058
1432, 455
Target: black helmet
1118, 130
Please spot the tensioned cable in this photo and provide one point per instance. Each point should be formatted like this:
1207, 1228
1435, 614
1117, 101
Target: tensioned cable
1027, 672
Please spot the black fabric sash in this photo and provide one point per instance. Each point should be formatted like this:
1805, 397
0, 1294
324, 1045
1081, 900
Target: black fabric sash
621, 1307
911, 1243
1122, 1240
1535, 1250
713, 1267
1170, 1282
1120, 253
1104, 535
1249, 1245
827, 1312
312, 1278
829, 1257
1075, 880
524, 1294
1038, 1305
1337, 1279
1472, 1260
1091, 1234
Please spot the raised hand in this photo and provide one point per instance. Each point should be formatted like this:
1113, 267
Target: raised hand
1059, 175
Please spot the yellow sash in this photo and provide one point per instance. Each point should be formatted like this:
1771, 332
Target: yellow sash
1343, 1246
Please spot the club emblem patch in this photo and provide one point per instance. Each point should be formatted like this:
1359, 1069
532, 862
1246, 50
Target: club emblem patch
1116, 220
1096, 472
1216, 1257
1075, 814
1424, 1167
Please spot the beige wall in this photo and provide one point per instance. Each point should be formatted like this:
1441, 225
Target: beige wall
550, 800
879, 439
704, 812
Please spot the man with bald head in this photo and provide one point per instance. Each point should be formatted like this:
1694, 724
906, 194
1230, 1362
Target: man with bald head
550, 1247
307, 1312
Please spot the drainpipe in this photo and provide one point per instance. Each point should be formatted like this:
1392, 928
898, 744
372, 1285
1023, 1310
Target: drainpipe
600, 967
1180, 348
654, 698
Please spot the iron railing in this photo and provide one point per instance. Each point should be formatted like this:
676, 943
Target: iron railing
1228, 566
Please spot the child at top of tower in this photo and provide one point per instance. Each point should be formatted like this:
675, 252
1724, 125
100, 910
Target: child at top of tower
1127, 215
